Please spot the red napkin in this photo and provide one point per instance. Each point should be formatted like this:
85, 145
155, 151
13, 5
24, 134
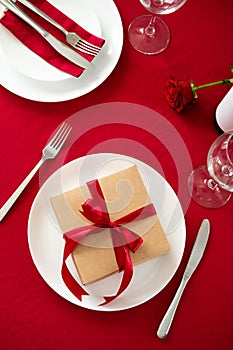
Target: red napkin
30, 38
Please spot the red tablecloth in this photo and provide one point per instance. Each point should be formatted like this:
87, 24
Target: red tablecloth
35, 317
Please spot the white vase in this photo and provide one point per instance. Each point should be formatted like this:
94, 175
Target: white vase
224, 112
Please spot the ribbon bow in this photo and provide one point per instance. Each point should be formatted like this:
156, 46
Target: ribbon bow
123, 239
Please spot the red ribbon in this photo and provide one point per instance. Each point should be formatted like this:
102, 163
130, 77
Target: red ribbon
123, 239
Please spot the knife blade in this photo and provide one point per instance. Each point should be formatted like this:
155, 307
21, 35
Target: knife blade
59, 46
194, 260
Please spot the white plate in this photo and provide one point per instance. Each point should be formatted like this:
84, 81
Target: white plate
30, 64
54, 91
46, 243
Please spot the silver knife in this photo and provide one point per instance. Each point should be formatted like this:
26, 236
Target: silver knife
195, 257
63, 49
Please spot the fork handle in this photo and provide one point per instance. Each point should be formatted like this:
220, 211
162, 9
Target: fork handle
14, 8
9, 203
35, 9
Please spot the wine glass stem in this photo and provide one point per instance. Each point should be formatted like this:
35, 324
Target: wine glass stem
150, 29
212, 184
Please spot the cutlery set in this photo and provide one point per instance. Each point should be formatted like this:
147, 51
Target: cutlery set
72, 39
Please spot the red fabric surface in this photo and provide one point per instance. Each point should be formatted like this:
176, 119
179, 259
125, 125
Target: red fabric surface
41, 47
35, 317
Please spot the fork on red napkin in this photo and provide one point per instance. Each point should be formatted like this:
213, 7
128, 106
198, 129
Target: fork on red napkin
30, 38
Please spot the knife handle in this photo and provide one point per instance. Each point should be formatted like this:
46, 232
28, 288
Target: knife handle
35, 9
168, 317
17, 11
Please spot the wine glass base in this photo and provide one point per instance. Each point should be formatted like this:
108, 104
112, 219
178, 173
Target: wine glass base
204, 191
149, 44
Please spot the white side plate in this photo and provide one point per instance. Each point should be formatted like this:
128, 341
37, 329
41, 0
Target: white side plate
30, 64
63, 90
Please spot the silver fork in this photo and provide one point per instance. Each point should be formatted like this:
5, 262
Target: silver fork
50, 151
72, 38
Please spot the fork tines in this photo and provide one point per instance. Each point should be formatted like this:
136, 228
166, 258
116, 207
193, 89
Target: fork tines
86, 47
61, 135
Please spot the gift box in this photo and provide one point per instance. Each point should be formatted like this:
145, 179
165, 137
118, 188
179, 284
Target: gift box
124, 194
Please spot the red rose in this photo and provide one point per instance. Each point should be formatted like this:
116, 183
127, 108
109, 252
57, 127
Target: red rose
181, 93
178, 93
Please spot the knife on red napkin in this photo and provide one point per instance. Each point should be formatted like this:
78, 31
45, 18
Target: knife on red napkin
36, 43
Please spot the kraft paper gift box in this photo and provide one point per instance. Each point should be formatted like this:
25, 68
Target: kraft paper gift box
124, 192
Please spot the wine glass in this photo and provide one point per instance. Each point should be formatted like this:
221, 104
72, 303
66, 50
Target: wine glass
149, 34
211, 186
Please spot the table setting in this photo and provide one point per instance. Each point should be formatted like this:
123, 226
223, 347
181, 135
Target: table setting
117, 174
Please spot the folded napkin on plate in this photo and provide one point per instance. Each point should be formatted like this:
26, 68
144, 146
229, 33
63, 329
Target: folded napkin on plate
33, 40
